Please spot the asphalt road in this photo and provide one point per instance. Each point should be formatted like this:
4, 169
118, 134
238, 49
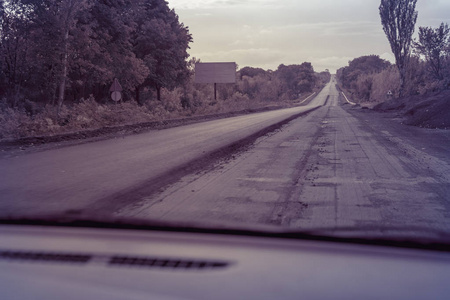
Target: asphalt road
329, 166
101, 177
334, 167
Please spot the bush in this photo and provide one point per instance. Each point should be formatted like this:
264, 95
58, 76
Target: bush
370, 84
87, 114
383, 82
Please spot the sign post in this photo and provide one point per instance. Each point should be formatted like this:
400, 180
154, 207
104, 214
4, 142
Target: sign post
116, 90
222, 72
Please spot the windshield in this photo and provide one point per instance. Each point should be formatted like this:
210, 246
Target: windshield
329, 117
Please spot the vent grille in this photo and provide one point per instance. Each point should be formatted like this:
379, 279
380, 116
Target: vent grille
112, 260
42, 256
166, 263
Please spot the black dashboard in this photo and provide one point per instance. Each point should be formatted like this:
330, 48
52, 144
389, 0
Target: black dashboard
41, 262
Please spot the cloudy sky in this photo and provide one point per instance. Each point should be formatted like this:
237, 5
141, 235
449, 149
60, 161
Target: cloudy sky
266, 33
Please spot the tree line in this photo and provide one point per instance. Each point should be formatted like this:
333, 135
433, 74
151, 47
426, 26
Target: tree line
58, 59
421, 65
52, 51
255, 87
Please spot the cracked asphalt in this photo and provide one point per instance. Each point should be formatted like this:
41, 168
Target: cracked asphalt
336, 167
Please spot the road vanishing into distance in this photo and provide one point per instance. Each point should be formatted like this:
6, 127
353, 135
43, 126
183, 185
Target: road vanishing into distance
322, 165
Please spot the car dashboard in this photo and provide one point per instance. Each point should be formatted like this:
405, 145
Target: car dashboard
46, 262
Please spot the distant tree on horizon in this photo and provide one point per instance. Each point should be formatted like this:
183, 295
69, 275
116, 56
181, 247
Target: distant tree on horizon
368, 64
296, 79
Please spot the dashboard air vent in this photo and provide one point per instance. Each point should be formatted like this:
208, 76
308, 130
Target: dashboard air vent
111, 260
43, 256
166, 263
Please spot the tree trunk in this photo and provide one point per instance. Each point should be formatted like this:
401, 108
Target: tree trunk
137, 95
402, 68
402, 82
158, 93
62, 83
66, 24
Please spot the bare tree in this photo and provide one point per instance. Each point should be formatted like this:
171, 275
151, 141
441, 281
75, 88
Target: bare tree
433, 44
398, 18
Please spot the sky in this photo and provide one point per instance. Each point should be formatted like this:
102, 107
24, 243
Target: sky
267, 33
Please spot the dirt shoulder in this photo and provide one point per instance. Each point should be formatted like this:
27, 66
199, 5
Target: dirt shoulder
430, 111
433, 141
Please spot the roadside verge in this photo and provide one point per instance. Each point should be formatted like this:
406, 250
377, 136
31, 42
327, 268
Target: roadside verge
38, 143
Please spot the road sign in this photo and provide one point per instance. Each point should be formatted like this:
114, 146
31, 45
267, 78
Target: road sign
115, 87
115, 90
222, 72
116, 96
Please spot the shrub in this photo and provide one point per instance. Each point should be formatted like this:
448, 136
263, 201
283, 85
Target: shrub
87, 114
383, 82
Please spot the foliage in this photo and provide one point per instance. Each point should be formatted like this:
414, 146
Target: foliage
251, 72
434, 44
88, 114
264, 89
383, 82
398, 18
375, 84
357, 77
161, 41
63, 50
368, 78
296, 79
58, 59
14, 50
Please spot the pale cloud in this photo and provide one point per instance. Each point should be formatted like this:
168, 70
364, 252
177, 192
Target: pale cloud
261, 57
203, 15
267, 33
433, 12
246, 42
207, 4
331, 62
388, 56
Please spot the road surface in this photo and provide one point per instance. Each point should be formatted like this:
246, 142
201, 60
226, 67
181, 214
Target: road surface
333, 166
103, 176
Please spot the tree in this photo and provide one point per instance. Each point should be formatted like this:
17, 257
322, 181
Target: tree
67, 21
363, 65
398, 18
15, 20
433, 44
296, 79
113, 26
50, 37
161, 42
358, 76
54, 50
251, 72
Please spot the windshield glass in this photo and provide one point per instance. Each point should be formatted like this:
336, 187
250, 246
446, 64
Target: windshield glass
318, 116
